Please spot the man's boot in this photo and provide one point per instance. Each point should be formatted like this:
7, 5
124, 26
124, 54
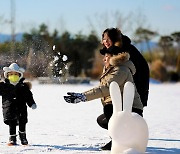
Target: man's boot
22, 137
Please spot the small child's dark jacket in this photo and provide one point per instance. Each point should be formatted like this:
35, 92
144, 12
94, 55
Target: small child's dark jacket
15, 99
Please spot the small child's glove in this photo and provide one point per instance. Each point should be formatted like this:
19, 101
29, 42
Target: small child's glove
75, 98
34, 106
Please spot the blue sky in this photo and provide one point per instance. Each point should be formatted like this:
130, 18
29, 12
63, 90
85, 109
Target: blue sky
76, 15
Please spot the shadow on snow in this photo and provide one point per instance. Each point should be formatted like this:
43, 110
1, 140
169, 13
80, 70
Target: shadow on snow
71, 147
76, 147
159, 150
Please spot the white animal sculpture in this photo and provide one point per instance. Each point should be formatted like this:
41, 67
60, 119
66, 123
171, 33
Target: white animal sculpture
128, 130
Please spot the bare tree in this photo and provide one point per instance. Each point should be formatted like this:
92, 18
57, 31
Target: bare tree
145, 35
176, 38
1, 20
61, 25
109, 19
166, 43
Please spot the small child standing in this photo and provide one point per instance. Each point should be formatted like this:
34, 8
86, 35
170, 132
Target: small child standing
16, 95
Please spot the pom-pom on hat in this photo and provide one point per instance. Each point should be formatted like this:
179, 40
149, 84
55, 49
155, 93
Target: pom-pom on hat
13, 68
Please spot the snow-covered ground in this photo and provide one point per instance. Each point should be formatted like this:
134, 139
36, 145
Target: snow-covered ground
62, 128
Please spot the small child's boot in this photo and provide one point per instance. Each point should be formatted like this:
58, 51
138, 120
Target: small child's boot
12, 140
22, 137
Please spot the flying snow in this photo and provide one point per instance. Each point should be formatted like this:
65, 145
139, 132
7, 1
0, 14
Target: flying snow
54, 47
65, 58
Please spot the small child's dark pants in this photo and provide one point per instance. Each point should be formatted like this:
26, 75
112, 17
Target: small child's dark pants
12, 127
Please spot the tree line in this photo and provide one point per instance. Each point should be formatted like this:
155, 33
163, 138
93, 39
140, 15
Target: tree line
41, 53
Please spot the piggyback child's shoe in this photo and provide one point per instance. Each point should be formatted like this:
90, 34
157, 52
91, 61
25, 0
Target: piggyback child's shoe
12, 140
22, 137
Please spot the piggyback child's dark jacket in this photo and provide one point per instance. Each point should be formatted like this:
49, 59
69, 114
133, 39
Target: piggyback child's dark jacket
15, 99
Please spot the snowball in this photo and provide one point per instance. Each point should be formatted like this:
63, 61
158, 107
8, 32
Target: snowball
66, 67
60, 72
54, 47
56, 58
64, 58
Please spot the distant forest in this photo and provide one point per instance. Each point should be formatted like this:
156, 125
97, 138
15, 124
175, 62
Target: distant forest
43, 54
